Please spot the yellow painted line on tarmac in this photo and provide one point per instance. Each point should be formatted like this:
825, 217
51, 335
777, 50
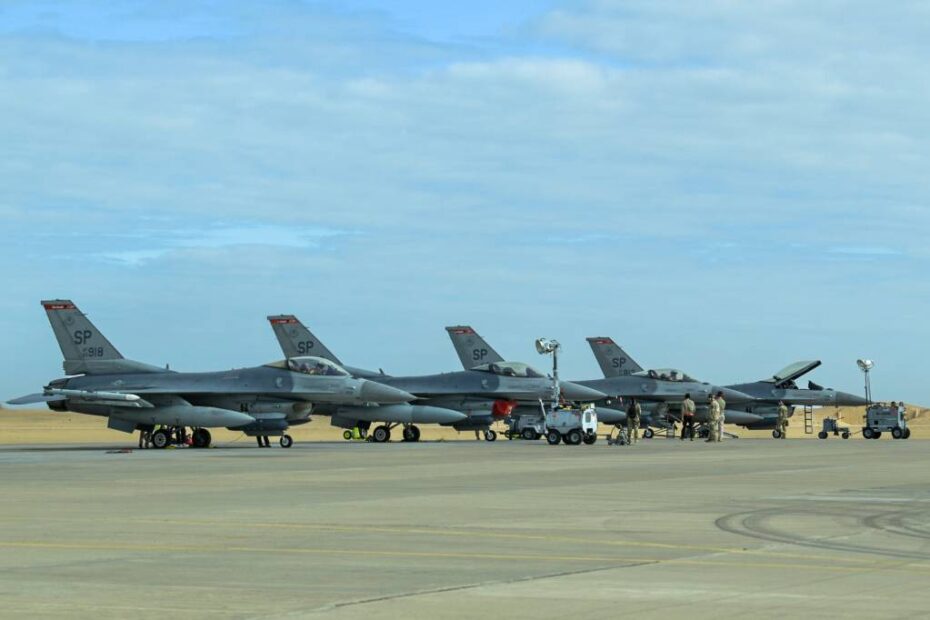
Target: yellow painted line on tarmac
610, 562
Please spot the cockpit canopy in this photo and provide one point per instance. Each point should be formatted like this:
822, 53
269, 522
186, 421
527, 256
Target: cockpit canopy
666, 374
317, 366
511, 369
792, 371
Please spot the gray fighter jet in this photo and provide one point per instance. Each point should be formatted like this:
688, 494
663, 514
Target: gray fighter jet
782, 386
757, 413
661, 390
261, 401
485, 393
625, 380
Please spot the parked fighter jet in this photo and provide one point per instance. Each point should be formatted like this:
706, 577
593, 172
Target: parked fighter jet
261, 401
761, 410
622, 370
783, 387
624, 378
485, 393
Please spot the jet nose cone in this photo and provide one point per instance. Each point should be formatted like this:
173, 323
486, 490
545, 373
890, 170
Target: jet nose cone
372, 392
734, 397
579, 393
845, 399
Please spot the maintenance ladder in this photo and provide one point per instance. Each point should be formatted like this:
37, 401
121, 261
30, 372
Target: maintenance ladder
808, 420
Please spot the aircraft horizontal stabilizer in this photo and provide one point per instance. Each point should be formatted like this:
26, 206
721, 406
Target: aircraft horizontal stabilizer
31, 399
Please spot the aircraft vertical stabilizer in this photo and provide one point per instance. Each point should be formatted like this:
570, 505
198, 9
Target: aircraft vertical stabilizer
296, 340
472, 349
612, 358
77, 337
85, 349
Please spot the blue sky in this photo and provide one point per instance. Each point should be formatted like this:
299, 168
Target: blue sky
724, 187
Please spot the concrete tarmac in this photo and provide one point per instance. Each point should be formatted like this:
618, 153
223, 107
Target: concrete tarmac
665, 529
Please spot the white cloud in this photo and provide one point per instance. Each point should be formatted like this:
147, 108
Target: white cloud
624, 150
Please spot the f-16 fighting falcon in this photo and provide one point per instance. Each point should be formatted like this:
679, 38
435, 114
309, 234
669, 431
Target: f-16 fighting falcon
261, 401
760, 410
623, 379
666, 388
483, 394
782, 386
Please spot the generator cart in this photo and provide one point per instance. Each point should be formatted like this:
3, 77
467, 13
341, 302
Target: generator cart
529, 427
571, 426
832, 426
880, 418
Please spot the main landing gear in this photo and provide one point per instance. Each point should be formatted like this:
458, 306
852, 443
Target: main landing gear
167, 436
411, 433
382, 434
286, 441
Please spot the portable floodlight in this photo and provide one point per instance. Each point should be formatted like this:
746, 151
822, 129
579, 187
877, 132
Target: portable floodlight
545, 346
865, 366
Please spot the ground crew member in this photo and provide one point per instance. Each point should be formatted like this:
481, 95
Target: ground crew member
687, 417
723, 415
713, 412
632, 421
782, 425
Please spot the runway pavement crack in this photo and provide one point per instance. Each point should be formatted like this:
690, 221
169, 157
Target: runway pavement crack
455, 588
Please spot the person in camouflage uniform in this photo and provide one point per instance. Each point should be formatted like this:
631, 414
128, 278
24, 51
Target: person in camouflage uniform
713, 413
633, 413
782, 424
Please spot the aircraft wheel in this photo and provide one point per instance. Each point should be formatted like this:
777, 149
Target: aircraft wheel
574, 437
286, 441
822, 434
347, 435
416, 432
201, 438
381, 434
776, 434
529, 434
897, 433
846, 435
648, 433
553, 437
590, 439
907, 433
160, 439
490, 435
876, 435
867, 433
